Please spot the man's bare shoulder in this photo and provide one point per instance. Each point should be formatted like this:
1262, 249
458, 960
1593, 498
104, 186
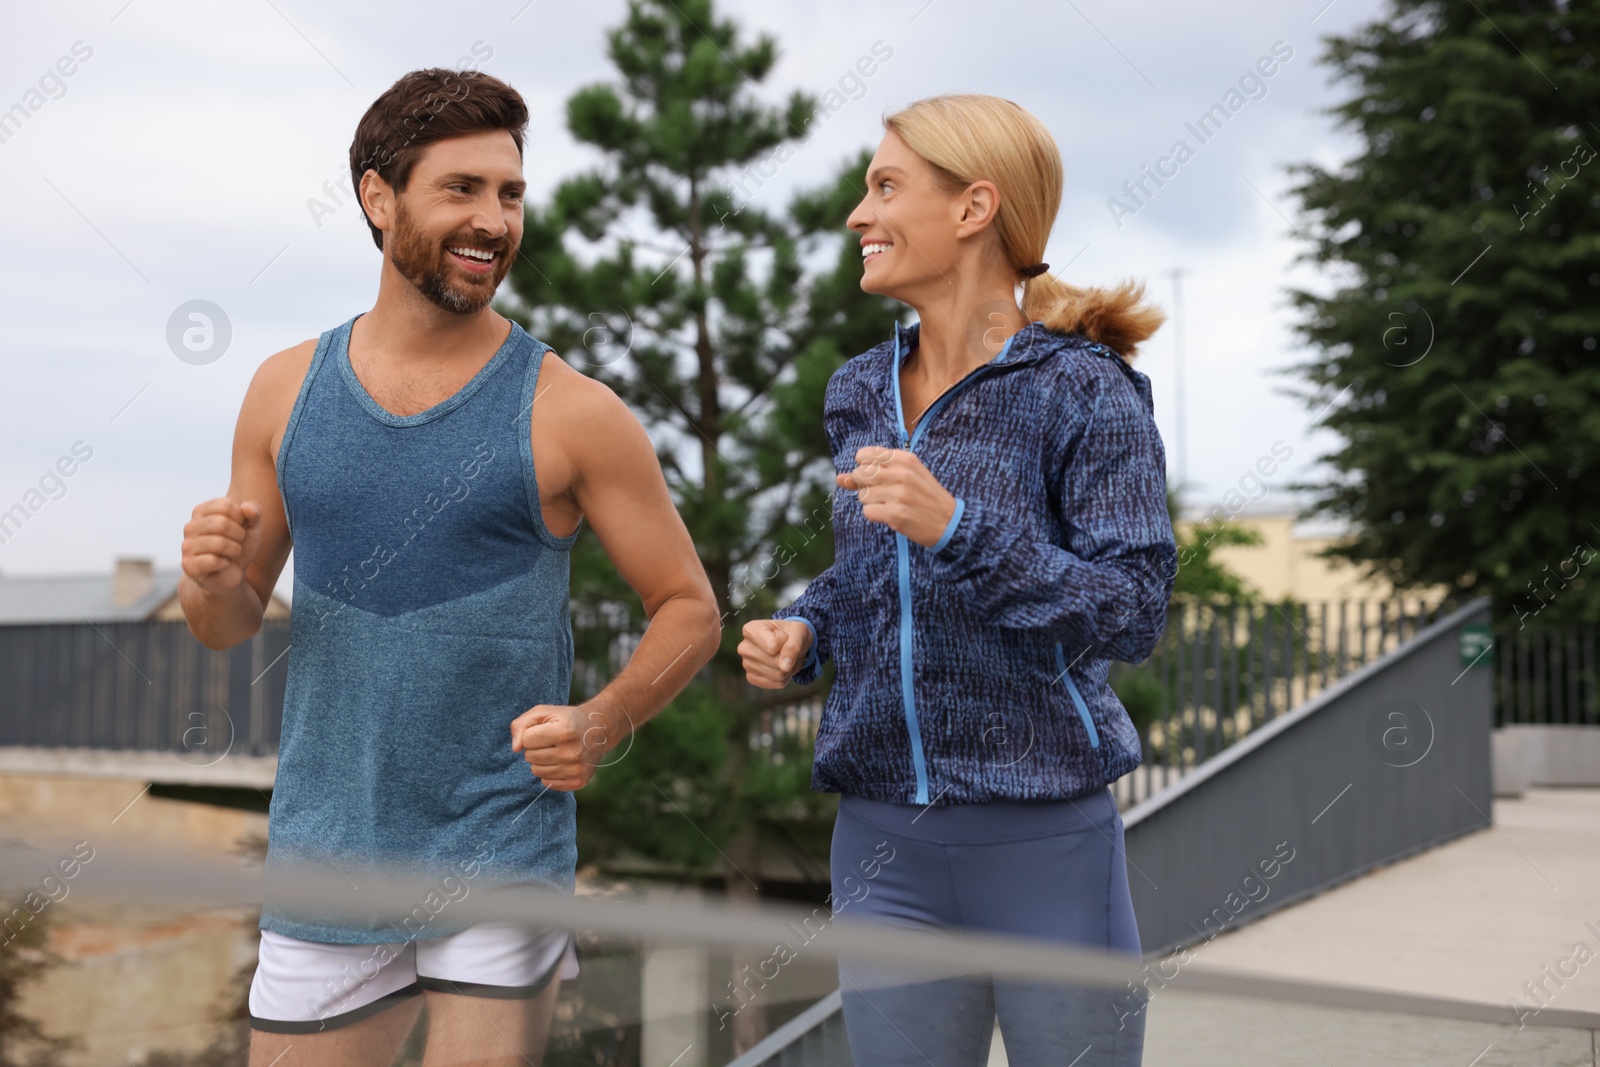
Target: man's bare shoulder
594, 433
285, 371
273, 390
581, 404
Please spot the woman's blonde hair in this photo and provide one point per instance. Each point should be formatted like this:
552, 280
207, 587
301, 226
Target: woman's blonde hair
969, 137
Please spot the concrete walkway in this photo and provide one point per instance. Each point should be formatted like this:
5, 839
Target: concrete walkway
1474, 919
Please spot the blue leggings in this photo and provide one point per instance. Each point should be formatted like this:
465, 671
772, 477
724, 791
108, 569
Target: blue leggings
1047, 869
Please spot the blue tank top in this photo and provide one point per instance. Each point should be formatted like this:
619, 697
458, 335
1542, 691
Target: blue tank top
430, 610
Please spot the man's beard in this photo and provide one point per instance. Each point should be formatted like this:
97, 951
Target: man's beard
426, 265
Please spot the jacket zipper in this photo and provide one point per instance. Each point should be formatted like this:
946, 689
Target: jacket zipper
1077, 697
903, 554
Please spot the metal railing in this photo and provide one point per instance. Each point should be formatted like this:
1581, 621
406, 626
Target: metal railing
145, 686
1547, 675
1220, 672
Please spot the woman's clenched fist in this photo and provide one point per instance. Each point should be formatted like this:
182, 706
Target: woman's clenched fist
773, 650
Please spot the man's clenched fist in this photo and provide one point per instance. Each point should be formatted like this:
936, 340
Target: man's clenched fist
562, 744
219, 541
773, 650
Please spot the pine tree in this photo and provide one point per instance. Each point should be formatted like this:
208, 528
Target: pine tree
719, 321
1457, 348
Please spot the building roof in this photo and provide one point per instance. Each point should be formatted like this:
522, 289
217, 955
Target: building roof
40, 598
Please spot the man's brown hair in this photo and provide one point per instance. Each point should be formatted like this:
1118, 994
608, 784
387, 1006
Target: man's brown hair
427, 106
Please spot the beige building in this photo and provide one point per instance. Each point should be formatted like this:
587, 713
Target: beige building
1286, 563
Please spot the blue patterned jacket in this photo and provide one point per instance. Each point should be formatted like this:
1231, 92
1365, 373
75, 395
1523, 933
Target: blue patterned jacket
976, 669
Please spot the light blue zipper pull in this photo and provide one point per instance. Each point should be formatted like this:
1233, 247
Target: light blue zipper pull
1065, 675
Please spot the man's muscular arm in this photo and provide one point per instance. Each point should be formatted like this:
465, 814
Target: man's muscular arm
617, 483
234, 547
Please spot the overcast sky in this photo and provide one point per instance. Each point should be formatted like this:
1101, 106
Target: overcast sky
176, 161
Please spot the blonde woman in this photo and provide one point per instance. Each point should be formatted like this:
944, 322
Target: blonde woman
1001, 538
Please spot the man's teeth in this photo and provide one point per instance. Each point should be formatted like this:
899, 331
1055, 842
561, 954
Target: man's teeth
474, 253
867, 250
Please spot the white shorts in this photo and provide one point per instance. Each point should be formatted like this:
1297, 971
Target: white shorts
301, 987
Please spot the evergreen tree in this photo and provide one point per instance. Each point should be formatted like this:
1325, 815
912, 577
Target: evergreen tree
1457, 348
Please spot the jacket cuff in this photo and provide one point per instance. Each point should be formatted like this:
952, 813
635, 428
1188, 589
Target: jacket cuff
972, 543
812, 667
950, 527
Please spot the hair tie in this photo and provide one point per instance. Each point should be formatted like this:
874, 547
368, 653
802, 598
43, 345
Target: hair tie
1034, 271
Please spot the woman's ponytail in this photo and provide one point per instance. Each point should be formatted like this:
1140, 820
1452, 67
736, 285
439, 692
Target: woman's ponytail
1117, 318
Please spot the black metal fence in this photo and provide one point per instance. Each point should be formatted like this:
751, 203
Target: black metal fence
141, 685
1220, 672
1547, 674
